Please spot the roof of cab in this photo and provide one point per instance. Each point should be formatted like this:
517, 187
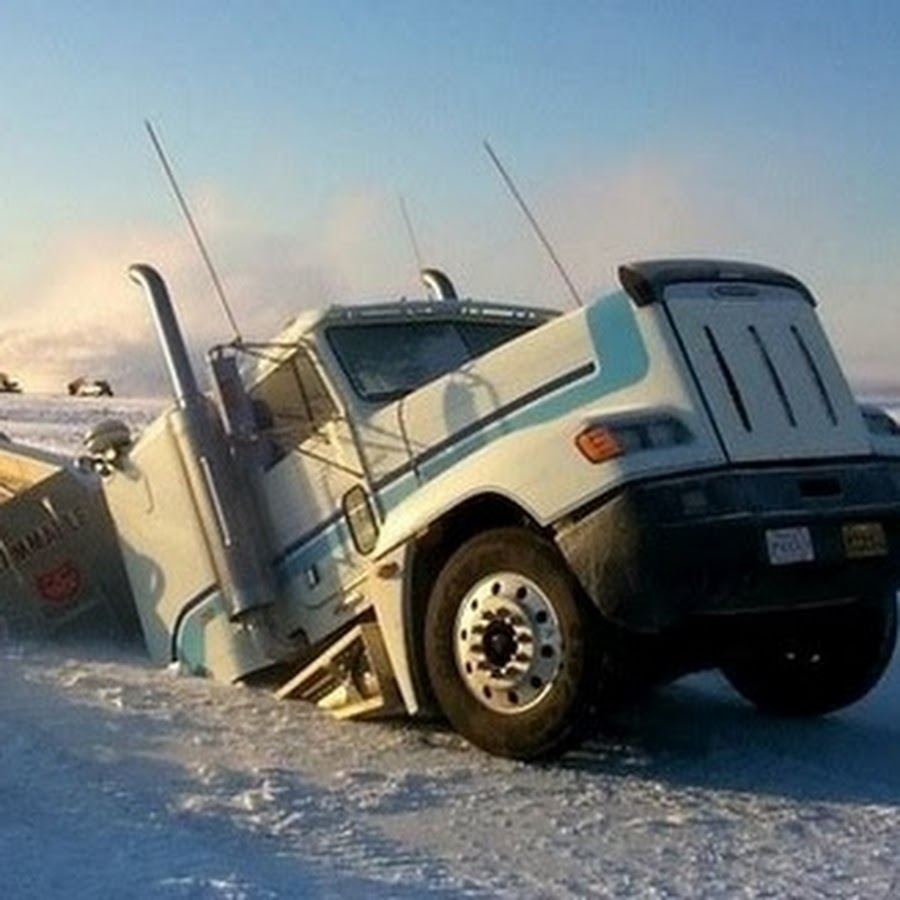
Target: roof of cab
382, 312
410, 310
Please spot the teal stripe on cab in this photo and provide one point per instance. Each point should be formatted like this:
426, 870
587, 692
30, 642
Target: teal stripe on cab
331, 543
621, 352
190, 640
621, 361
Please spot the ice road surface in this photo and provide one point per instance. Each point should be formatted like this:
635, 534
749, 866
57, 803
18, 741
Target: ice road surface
119, 780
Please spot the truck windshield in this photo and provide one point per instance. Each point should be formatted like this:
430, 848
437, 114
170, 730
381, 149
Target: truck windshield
385, 361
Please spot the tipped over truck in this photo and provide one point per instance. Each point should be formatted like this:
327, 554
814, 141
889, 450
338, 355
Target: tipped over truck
513, 517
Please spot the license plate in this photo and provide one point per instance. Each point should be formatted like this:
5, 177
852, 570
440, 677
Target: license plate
862, 539
789, 545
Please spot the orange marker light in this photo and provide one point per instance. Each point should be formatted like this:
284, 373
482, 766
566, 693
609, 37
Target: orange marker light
597, 444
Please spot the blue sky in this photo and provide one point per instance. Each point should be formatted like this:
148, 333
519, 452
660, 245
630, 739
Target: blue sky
765, 130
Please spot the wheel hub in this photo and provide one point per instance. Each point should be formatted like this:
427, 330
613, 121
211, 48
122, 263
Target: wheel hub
508, 645
499, 644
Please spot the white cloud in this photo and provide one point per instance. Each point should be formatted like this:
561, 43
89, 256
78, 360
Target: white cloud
80, 315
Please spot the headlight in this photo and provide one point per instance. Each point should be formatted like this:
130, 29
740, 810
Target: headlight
606, 440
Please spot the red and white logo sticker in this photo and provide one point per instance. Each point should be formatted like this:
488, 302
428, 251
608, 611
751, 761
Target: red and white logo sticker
60, 586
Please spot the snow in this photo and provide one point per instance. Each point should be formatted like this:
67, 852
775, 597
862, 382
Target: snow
118, 779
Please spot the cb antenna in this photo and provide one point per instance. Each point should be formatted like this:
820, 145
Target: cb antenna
410, 231
533, 222
195, 232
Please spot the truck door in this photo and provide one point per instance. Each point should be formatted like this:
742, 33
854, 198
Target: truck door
313, 467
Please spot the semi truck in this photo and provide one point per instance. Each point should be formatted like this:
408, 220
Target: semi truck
510, 517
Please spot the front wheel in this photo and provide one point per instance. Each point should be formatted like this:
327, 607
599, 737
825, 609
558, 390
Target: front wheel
822, 663
508, 645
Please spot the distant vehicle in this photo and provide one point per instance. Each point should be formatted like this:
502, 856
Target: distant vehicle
9, 385
82, 387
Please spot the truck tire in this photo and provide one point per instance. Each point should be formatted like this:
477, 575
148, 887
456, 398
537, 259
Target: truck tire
825, 664
508, 645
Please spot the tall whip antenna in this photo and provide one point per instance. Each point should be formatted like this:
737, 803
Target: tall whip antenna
185, 209
533, 222
412, 234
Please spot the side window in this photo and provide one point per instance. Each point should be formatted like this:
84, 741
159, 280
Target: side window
292, 401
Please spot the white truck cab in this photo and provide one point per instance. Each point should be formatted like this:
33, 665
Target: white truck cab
513, 516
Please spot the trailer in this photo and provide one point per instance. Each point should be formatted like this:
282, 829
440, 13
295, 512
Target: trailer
514, 517
61, 570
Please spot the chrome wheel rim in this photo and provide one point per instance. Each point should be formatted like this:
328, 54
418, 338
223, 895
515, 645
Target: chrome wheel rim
507, 642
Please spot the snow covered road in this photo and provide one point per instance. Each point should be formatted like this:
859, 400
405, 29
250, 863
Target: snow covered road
117, 779
121, 780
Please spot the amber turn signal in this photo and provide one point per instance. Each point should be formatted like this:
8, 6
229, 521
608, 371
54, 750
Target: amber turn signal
597, 444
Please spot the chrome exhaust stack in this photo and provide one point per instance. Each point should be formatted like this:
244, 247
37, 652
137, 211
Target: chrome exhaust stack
226, 513
178, 363
438, 285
